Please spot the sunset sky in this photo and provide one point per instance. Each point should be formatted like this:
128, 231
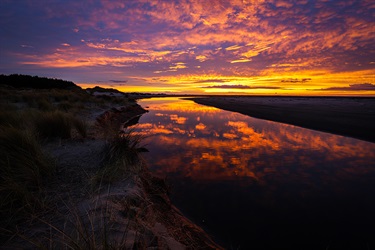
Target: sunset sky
297, 47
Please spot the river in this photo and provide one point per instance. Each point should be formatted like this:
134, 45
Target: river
257, 184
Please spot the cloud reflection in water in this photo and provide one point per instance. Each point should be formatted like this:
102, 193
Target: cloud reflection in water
205, 143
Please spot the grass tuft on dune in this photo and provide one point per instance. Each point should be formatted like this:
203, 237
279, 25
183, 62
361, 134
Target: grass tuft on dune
121, 157
24, 170
58, 124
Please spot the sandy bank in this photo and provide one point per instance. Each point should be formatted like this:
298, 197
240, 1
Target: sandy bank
353, 117
134, 212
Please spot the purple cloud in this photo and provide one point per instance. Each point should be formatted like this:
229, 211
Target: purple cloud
296, 80
239, 86
119, 81
210, 80
354, 87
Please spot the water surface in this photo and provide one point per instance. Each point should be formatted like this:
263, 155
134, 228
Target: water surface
259, 184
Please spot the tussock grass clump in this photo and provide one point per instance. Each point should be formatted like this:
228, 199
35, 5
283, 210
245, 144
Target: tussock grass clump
72, 96
58, 124
95, 224
53, 125
108, 127
80, 126
9, 95
123, 148
50, 100
44, 104
30, 98
23, 171
65, 106
10, 118
121, 157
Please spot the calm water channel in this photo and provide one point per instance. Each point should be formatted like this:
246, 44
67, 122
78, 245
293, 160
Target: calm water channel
256, 184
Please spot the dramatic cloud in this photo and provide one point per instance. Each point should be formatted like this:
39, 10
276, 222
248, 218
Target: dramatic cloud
240, 87
354, 87
288, 41
210, 81
119, 81
296, 80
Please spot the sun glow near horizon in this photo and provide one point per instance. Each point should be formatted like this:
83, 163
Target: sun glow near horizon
301, 83
194, 47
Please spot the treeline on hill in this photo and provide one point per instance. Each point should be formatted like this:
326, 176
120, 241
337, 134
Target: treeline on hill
103, 90
36, 82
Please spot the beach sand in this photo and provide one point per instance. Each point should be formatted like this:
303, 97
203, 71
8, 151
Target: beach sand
347, 116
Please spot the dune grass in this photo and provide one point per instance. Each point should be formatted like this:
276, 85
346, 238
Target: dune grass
121, 157
53, 125
65, 106
74, 100
124, 147
58, 124
81, 126
9, 118
96, 224
28, 119
24, 170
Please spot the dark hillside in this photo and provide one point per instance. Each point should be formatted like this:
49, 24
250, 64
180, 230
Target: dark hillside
36, 82
103, 90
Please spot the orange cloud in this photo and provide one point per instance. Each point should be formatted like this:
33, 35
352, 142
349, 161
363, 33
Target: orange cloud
241, 61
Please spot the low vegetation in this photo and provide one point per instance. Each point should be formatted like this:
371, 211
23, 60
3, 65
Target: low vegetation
59, 203
35, 82
31, 116
58, 124
121, 157
24, 170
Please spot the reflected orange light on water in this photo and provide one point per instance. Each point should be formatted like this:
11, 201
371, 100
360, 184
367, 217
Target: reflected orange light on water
206, 143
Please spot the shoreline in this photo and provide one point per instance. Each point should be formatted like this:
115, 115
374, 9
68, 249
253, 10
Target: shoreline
83, 206
353, 118
169, 225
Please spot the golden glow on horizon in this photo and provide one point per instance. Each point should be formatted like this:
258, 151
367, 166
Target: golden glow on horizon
301, 83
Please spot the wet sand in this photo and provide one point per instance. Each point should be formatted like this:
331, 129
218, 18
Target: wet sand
347, 116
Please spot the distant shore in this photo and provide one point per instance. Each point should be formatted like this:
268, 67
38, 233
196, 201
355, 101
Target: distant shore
347, 116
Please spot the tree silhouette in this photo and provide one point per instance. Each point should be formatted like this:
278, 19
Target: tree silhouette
36, 82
